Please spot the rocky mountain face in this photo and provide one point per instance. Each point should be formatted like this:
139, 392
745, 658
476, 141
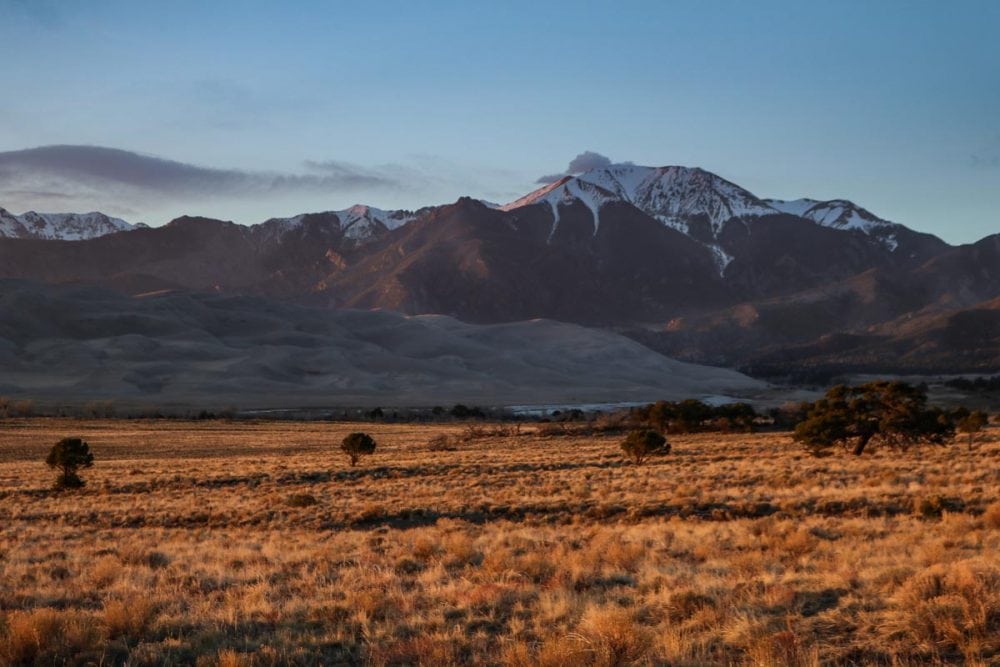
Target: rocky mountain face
942, 316
681, 259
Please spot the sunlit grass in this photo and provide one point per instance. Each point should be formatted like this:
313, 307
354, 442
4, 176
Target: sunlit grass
258, 544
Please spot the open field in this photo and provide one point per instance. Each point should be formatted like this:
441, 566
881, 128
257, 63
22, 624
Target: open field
257, 544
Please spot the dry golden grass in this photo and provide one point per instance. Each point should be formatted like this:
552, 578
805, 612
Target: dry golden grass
257, 544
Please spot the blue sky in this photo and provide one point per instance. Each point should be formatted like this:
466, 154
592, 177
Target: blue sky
894, 105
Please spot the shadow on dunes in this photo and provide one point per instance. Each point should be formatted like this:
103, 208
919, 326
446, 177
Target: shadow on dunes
68, 342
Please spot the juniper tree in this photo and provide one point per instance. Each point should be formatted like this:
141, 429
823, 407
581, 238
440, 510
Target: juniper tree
69, 455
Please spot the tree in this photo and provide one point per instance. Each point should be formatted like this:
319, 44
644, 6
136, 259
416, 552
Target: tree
970, 422
890, 413
736, 415
690, 414
460, 411
69, 455
641, 444
357, 445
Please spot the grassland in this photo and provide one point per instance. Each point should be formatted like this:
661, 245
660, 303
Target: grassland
257, 544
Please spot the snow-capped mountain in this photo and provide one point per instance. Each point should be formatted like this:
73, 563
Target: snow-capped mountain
59, 226
672, 195
359, 223
691, 200
697, 203
839, 214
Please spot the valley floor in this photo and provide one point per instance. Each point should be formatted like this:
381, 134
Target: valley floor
257, 544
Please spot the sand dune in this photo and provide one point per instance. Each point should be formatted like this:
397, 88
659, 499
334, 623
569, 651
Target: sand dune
75, 344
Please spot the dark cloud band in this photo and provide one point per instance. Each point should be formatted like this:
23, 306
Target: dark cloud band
67, 169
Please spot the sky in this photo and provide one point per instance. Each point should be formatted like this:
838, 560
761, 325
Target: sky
249, 110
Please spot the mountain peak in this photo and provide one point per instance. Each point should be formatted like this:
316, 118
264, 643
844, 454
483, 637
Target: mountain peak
59, 226
839, 214
360, 222
679, 197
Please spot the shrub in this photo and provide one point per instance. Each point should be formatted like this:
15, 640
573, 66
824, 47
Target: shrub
100, 409
991, 517
932, 507
951, 610
357, 445
641, 444
302, 500
441, 442
24, 408
970, 423
460, 411
693, 415
69, 455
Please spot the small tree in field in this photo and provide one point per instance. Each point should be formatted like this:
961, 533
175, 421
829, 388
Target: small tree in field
69, 455
357, 445
641, 444
890, 413
970, 423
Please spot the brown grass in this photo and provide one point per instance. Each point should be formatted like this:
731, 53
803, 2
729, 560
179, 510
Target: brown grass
216, 543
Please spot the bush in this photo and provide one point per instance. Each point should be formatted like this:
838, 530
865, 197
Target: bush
692, 415
69, 455
302, 500
441, 442
991, 517
100, 409
357, 445
641, 444
24, 408
460, 411
970, 423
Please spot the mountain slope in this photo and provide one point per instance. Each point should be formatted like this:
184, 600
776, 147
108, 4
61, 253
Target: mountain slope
938, 316
489, 265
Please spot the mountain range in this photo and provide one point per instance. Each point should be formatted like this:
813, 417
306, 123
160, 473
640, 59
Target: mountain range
680, 259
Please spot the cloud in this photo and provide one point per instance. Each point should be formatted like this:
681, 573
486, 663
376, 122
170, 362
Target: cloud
985, 161
46, 13
988, 157
585, 161
96, 173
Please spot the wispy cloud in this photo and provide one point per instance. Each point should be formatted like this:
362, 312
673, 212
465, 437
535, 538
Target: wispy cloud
988, 156
45, 13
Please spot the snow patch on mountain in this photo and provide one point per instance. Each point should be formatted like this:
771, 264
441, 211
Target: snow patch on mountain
840, 214
721, 257
59, 226
674, 195
565, 192
359, 222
